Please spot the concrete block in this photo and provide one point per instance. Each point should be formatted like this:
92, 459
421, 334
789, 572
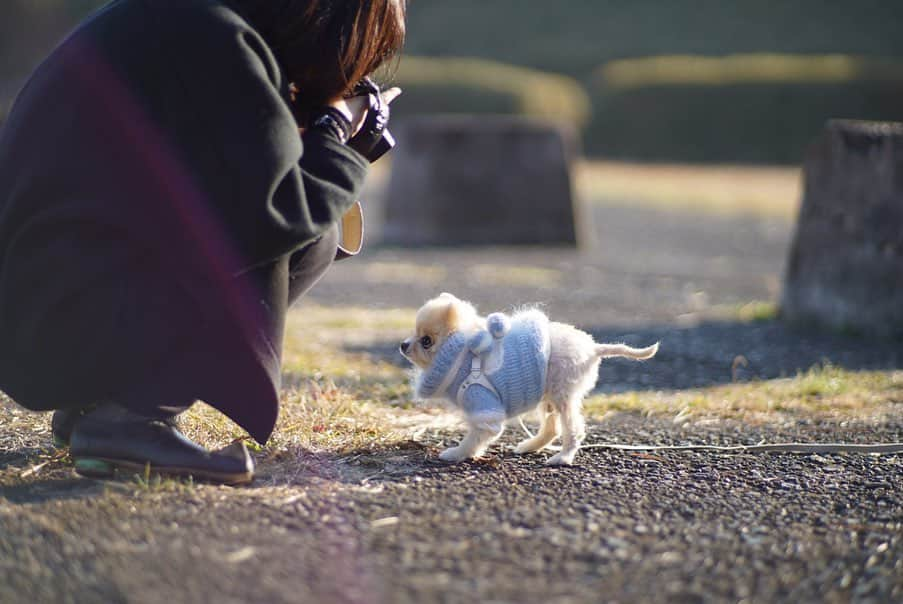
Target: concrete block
845, 269
480, 180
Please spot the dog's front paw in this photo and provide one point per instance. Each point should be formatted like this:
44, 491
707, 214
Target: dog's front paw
454, 454
562, 459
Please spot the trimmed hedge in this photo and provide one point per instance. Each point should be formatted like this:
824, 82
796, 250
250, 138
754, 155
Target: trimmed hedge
460, 85
760, 108
749, 68
760, 123
576, 36
741, 108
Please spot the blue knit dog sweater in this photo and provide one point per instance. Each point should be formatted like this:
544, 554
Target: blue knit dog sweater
512, 354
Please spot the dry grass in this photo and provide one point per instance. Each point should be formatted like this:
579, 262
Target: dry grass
320, 343
405, 273
494, 275
727, 190
828, 391
748, 312
21, 429
343, 405
339, 403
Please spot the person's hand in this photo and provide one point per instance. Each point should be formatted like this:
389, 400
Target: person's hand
355, 108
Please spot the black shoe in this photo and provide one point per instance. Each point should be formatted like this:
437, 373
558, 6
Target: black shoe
62, 422
111, 440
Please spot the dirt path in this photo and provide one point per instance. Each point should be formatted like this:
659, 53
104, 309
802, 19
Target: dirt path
401, 527
394, 525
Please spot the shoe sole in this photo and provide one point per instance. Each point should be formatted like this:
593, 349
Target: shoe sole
103, 468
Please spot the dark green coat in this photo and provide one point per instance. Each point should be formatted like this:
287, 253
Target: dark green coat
152, 181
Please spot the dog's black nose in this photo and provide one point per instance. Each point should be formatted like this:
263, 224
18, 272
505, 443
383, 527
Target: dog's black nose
404, 346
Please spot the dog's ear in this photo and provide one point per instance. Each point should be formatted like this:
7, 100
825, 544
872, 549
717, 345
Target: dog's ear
452, 314
459, 314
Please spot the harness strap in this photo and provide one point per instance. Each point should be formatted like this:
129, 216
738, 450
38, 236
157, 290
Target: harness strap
476, 377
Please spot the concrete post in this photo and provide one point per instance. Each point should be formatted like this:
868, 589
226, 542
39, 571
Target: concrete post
845, 269
480, 180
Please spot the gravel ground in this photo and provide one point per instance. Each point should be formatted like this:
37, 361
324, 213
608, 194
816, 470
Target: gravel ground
398, 526
402, 527
640, 267
688, 527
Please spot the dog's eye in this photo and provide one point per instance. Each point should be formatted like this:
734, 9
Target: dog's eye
426, 342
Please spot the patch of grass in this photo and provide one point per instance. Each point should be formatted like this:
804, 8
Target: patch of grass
338, 401
831, 381
322, 429
358, 317
21, 428
827, 390
727, 190
148, 483
404, 273
519, 276
754, 311
316, 417
757, 311
317, 339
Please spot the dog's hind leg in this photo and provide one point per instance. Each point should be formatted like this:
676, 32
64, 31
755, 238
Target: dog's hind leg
548, 431
484, 428
573, 431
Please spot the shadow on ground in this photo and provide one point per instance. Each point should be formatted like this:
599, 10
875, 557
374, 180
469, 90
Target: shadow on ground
718, 352
52, 489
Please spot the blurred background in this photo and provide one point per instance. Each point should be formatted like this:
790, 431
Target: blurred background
676, 80
692, 120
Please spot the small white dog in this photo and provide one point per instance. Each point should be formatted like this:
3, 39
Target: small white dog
497, 367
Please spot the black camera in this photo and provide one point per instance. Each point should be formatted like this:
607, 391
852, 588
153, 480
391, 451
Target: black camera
373, 140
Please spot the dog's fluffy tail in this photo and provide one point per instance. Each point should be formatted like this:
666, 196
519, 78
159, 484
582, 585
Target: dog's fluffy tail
622, 350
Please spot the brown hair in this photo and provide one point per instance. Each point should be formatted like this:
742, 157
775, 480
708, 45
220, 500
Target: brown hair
326, 47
